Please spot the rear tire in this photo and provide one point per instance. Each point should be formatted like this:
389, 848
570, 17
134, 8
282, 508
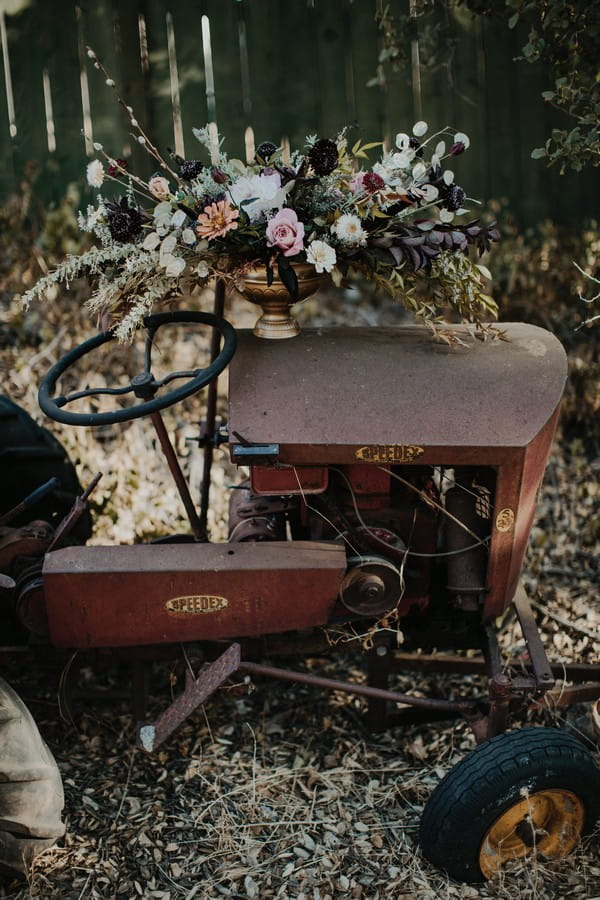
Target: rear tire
533, 791
30, 456
31, 792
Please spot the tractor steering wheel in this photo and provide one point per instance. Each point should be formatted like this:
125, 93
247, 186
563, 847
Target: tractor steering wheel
144, 386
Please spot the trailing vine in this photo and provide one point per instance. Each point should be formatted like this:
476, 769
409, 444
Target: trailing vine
563, 35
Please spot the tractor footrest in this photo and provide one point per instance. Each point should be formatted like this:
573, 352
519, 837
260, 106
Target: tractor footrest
197, 690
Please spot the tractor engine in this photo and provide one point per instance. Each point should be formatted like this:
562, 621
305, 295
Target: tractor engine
407, 530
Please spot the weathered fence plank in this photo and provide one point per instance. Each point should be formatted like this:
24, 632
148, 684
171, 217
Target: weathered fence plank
280, 71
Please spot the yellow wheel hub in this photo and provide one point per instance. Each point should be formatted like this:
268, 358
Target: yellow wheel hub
547, 822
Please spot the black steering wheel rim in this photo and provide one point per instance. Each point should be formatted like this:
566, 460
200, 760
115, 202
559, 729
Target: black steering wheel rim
51, 406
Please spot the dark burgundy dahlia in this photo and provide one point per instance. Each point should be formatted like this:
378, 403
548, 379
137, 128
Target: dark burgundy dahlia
188, 168
415, 145
373, 182
323, 156
264, 152
454, 197
124, 221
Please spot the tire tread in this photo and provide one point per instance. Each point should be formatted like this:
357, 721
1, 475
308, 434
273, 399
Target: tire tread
491, 770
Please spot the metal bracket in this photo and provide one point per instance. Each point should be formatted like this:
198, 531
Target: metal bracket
252, 451
542, 671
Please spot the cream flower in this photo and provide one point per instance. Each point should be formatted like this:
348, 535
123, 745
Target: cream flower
348, 230
159, 187
95, 173
322, 256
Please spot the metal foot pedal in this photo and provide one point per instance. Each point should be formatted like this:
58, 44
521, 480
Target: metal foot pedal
197, 690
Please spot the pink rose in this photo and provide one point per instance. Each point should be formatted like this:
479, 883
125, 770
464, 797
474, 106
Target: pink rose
159, 187
286, 232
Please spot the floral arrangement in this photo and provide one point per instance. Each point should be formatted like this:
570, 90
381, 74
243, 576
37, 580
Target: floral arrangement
397, 223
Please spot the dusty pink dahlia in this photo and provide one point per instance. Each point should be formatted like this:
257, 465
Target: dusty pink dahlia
217, 219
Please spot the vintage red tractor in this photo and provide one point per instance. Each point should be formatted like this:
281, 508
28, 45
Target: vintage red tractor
391, 491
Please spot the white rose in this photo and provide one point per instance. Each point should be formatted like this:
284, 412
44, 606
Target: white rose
264, 192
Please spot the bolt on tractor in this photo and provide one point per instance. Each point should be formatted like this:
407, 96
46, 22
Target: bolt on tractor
388, 490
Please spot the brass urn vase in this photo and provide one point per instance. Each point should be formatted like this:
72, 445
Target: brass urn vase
276, 321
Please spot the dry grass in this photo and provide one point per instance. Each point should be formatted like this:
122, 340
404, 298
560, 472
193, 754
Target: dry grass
277, 792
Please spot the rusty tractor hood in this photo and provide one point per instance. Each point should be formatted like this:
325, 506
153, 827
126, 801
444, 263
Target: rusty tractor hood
328, 393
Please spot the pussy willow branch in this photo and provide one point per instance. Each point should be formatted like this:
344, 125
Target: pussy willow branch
143, 138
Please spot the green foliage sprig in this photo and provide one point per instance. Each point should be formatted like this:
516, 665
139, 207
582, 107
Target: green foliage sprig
565, 36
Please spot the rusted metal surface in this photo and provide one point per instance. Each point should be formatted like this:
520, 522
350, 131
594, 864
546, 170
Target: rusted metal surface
361, 690
550, 820
29, 604
75, 513
371, 587
254, 518
478, 723
491, 651
286, 480
315, 395
165, 593
563, 696
28, 540
197, 690
178, 476
537, 654
500, 693
379, 660
518, 481
467, 665
210, 421
405, 507
471, 507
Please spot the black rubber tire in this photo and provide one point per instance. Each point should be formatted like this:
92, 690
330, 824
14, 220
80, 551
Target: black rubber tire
492, 778
29, 456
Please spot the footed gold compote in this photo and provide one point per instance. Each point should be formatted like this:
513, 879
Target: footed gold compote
276, 321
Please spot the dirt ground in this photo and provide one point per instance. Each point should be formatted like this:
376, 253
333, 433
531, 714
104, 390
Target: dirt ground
273, 792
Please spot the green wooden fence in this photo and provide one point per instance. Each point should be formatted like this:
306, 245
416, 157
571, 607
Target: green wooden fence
262, 69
